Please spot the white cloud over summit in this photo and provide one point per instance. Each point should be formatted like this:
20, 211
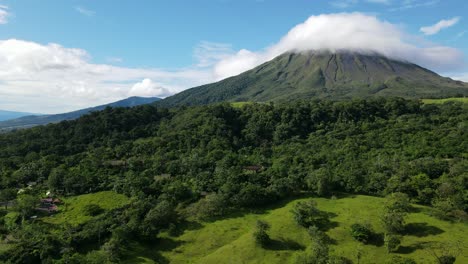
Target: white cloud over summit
65, 79
347, 31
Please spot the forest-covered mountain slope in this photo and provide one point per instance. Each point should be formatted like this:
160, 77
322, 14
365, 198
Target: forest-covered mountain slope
211, 161
341, 75
35, 120
6, 115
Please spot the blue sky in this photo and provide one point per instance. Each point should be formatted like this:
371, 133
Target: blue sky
162, 47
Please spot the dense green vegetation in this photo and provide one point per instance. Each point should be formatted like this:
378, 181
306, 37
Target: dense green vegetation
323, 75
178, 167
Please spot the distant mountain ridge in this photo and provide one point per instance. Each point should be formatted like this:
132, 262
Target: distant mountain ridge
7, 115
335, 76
35, 120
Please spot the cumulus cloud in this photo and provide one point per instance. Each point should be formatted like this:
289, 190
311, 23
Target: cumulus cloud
4, 14
148, 88
64, 79
444, 23
347, 31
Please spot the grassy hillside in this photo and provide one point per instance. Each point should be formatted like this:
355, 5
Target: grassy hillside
73, 209
230, 240
441, 101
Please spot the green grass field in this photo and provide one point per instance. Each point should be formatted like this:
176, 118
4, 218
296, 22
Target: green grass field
72, 209
441, 101
230, 240
240, 104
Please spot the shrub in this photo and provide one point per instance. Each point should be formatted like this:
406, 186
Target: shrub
260, 234
361, 233
213, 205
392, 243
447, 259
306, 214
92, 209
394, 221
400, 260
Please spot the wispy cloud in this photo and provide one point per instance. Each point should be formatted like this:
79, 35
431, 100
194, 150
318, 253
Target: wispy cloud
461, 77
85, 11
386, 2
114, 60
444, 23
4, 14
209, 53
461, 34
409, 4
349, 3
343, 3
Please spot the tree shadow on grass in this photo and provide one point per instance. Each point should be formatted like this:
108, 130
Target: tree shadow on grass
422, 230
185, 226
414, 209
284, 244
376, 240
143, 259
241, 212
411, 248
329, 225
140, 252
167, 244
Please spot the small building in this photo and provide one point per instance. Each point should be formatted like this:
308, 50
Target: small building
254, 168
115, 163
162, 177
49, 205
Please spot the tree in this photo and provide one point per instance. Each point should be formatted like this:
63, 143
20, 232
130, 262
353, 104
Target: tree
394, 222
318, 252
26, 204
213, 205
56, 179
6, 195
446, 253
361, 233
260, 234
398, 202
318, 182
158, 218
307, 214
92, 209
392, 242
396, 207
